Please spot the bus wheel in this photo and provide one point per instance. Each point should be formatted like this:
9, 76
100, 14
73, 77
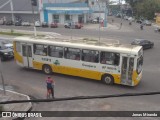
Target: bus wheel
47, 69
108, 79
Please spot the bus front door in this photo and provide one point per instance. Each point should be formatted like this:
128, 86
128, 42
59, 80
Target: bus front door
27, 55
127, 70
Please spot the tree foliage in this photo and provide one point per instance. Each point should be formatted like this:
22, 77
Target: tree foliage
145, 8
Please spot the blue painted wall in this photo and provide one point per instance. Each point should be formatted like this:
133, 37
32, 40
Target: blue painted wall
45, 16
67, 5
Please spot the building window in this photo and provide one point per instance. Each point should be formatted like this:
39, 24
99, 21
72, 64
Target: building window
56, 18
90, 56
110, 58
72, 53
68, 17
40, 49
81, 18
55, 51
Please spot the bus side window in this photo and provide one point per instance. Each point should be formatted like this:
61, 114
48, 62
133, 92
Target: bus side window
40, 49
90, 56
72, 53
55, 51
109, 58
45, 50
117, 59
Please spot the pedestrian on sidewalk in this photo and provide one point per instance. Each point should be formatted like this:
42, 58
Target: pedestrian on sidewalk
50, 86
112, 20
120, 26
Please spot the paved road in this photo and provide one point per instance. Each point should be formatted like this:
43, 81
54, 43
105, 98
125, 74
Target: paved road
31, 82
127, 33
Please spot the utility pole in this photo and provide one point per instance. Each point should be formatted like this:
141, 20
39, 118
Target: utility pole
99, 23
4, 90
71, 22
121, 15
34, 3
106, 13
11, 4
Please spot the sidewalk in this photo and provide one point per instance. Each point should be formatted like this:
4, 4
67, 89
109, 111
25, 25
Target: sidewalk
111, 27
11, 95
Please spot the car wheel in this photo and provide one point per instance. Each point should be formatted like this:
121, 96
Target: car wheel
108, 79
47, 69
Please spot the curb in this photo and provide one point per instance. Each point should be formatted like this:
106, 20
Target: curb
29, 106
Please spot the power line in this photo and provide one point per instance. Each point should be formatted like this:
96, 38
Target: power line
4, 4
80, 98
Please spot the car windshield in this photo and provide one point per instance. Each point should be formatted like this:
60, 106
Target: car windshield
137, 41
3, 47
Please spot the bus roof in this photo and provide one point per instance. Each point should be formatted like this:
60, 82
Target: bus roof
82, 43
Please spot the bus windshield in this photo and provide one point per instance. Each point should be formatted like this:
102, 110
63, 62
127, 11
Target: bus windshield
139, 64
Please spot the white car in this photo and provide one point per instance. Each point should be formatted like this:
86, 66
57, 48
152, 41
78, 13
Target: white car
6, 45
147, 23
37, 24
126, 17
131, 19
25, 23
95, 20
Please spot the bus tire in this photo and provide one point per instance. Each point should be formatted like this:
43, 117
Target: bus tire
47, 69
108, 79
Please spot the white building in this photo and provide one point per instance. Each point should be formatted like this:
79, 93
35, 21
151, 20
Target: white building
62, 11
59, 11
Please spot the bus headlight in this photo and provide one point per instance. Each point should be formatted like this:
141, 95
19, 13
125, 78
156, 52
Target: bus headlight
6, 53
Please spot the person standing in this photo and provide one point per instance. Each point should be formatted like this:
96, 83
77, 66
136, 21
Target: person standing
50, 86
112, 20
141, 26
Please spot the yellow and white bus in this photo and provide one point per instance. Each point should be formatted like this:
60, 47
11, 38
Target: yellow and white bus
120, 64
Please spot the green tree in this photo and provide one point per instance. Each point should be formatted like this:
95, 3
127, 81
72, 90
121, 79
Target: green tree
145, 8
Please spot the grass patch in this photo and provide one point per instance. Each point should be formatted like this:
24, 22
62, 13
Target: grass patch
87, 39
12, 33
1, 108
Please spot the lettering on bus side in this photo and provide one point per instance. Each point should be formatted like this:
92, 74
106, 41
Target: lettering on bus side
46, 59
110, 68
90, 66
